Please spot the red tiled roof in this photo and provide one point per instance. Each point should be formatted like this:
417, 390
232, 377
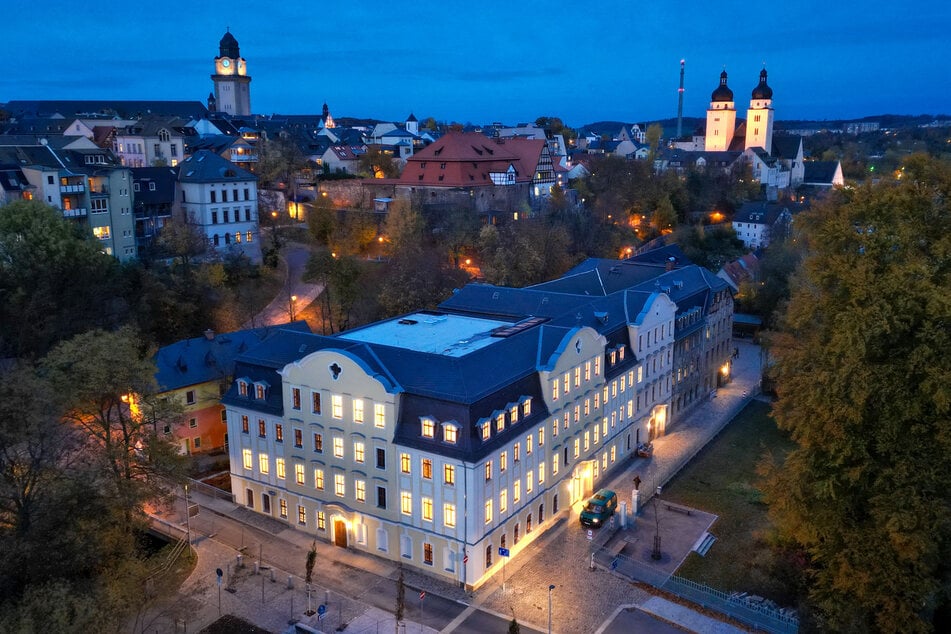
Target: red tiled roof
465, 159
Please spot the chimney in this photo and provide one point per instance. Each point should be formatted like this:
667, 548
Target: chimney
670, 263
210, 334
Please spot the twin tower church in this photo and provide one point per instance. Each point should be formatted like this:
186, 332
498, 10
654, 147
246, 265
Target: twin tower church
722, 133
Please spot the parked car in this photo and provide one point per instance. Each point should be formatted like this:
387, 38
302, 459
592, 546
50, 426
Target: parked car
599, 508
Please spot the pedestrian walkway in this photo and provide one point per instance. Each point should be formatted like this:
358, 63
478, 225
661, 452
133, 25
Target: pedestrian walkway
359, 589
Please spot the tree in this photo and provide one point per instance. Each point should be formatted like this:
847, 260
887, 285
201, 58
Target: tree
375, 163
182, 241
400, 597
864, 384
653, 135
514, 627
105, 386
55, 280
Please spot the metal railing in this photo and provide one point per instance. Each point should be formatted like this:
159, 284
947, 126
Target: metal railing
207, 489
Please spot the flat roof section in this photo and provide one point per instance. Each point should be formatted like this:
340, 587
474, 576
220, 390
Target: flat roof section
446, 335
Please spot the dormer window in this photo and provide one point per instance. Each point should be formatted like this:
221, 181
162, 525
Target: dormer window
500, 422
428, 428
450, 433
242, 387
513, 414
259, 392
527, 408
620, 353
485, 430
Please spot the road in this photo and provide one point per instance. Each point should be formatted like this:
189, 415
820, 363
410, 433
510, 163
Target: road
282, 308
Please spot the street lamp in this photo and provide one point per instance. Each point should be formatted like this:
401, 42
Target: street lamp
290, 305
655, 553
550, 588
188, 526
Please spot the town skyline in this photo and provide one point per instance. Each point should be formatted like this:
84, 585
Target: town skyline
383, 62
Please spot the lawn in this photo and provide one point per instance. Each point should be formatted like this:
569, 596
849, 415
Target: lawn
723, 480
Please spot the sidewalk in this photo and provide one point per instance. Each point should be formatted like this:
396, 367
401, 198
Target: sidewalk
359, 589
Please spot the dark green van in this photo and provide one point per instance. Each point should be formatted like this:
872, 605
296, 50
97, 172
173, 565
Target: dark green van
599, 508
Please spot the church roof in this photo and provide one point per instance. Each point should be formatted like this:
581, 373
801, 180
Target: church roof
762, 90
819, 172
786, 146
722, 92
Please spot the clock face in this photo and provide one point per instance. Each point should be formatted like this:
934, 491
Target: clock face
226, 63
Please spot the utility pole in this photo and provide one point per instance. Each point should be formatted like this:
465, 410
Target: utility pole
680, 103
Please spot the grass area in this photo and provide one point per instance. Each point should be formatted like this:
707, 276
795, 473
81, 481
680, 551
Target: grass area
723, 480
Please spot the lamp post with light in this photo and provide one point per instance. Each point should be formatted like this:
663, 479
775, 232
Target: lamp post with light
291, 301
550, 588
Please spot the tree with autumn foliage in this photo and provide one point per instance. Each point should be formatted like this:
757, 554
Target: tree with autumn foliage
864, 382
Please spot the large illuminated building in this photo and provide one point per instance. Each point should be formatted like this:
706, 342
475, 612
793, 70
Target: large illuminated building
438, 437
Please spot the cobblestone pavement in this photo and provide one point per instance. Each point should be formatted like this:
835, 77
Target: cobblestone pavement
361, 592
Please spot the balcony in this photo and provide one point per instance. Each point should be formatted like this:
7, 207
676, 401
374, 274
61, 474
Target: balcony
101, 190
75, 213
72, 189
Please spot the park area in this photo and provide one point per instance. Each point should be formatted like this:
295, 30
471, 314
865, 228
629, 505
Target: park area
722, 480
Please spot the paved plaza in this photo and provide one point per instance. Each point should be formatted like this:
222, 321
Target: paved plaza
359, 591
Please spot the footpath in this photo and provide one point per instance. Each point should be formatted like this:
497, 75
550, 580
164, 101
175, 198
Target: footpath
262, 561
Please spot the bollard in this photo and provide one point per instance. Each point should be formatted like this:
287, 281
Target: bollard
290, 582
257, 567
623, 514
272, 576
240, 562
592, 561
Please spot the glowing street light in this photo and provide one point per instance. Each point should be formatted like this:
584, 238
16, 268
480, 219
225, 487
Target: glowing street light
290, 305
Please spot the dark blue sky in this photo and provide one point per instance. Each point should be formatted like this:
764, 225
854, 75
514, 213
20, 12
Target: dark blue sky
490, 61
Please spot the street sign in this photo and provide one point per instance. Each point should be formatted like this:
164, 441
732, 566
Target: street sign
422, 595
503, 552
219, 573
590, 534
321, 610
465, 558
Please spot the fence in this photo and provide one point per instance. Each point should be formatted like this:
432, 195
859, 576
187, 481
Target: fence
759, 614
207, 489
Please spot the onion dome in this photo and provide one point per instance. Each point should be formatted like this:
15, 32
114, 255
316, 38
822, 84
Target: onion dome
228, 46
762, 91
722, 93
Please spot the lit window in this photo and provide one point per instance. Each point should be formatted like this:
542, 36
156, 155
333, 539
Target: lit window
528, 482
379, 415
640, 373
283, 505
449, 474
577, 447
358, 410
242, 388
405, 463
279, 432
587, 440
517, 491
567, 418
428, 509
319, 479
488, 511
318, 443
360, 492
587, 371
427, 554
554, 428
503, 461
259, 392
450, 433
321, 521
485, 430
566, 382
513, 413
597, 434
336, 406
264, 463
500, 422
503, 500
338, 447
340, 485
427, 465
554, 390
449, 515
527, 408
358, 452
295, 397
280, 468
301, 515
516, 452
299, 472
578, 376
620, 353
541, 473
247, 458
406, 503
554, 465
597, 366
613, 453
245, 424
541, 436
587, 406
315, 402
488, 470
429, 428
528, 445
577, 414
262, 428
298, 438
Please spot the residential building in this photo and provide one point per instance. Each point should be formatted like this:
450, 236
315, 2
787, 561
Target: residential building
220, 199
196, 373
155, 204
823, 174
438, 437
756, 223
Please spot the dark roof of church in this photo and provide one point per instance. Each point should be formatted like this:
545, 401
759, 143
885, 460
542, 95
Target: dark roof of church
228, 46
762, 90
819, 171
786, 146
722, 92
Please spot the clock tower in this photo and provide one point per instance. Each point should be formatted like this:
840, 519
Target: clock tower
232, 82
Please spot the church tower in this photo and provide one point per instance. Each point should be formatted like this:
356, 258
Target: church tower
759, 118
232, 82
721, 118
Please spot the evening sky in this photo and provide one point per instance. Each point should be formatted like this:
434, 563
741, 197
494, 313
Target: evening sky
508, 61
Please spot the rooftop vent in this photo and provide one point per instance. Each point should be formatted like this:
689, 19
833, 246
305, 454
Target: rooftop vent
407, 322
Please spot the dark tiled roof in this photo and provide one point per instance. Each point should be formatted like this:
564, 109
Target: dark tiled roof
122, 108
164, 179
819, 172
786, 146
205, 166
199, 360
